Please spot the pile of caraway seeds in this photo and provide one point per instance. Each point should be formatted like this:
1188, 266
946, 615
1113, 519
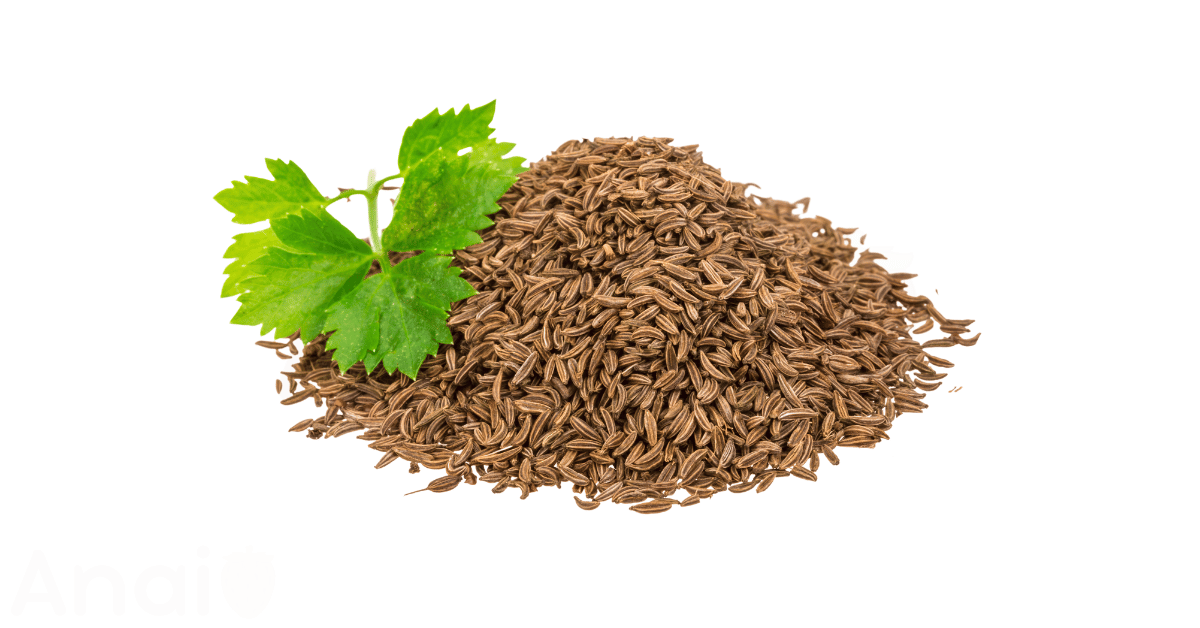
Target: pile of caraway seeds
648, 334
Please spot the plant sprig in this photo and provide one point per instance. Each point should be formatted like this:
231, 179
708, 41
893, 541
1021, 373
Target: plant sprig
306, 271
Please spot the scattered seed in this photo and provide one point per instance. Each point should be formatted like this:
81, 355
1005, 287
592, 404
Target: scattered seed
586, 505
654, 507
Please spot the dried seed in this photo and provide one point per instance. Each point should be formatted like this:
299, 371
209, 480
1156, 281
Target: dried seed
587, 505
654, 507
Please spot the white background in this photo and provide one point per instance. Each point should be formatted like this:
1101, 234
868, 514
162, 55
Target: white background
1035, 162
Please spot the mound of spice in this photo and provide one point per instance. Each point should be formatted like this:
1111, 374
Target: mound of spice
646, 333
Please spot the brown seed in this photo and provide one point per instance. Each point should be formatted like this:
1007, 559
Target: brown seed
300, 396
586, 505
441, 485
524, 371
801, 472
654, 507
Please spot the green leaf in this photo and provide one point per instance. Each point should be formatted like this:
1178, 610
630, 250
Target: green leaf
397, 317
493, 153
444, 132
447, 198
258, 199
306, 232
246, 248
317, 232
293, 290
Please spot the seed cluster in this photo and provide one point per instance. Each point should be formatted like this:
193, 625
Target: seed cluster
645, 327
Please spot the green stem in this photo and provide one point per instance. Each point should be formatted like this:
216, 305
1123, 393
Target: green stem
346, 194
367, 192
386, 179
372, 194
